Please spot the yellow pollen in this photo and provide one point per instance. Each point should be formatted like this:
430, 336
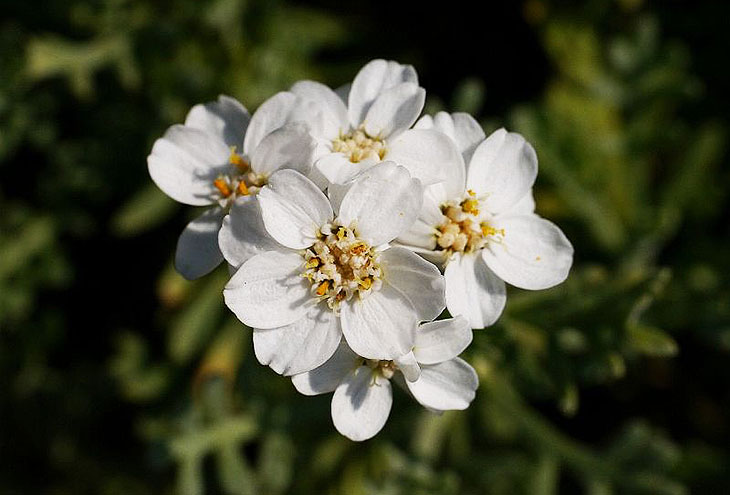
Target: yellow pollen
471, 192
242, 188
241, 182
322, 289
341, 266
470, 206
489, 230
359, 248
237, 160
462, 231
222, 187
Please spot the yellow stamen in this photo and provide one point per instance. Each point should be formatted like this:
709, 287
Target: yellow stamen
470, 206
313, 263
471, 192
237, 160
223, 187
341, 233
489, 230
359, 248
366, 283
242, 188
323, 287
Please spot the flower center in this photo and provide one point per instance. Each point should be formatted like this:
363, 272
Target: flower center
241, 181
339, 265
358, 146
385, 368
464, 231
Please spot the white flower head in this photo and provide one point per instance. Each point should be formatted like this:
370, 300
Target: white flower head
332, 276
220, 154
480, 223
373, 125
431, 372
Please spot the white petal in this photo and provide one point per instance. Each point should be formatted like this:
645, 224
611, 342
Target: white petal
293, 209
327, 377
372, 80
466, 131
420, 281
437, 195
289, 147
185, 162
336, 193
382, 203
473, 291
319, 180
425, 122
534, 253
225, 119
243, 234
445, 386
422, 234
431, 157
339, 170
300, 346
268, 290
439, 341
382, 325
438, 258
503, 169
408, 365
281, 109
343, 92
334, 110
361, 404
197, 251
525, 206
395, 110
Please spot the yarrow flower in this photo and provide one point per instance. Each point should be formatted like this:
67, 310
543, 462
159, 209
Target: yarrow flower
221, 154
431, 372
479, 225
337, 216
331, 277
374, 124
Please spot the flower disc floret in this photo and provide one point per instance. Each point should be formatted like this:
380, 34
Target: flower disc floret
358, 146
339, 265
463, 231
241, 180
386, 369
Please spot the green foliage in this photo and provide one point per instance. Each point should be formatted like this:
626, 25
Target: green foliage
118, 376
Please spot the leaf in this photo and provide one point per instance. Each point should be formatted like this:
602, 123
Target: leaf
147, 209
651, 341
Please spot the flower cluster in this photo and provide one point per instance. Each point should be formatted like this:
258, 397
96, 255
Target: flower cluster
350, 224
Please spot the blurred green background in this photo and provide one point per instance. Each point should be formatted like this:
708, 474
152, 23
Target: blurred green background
119, 377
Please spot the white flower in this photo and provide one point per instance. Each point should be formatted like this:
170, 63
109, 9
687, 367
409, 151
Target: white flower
433, 373
333, 276
373, 125
208, 162
480, 226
